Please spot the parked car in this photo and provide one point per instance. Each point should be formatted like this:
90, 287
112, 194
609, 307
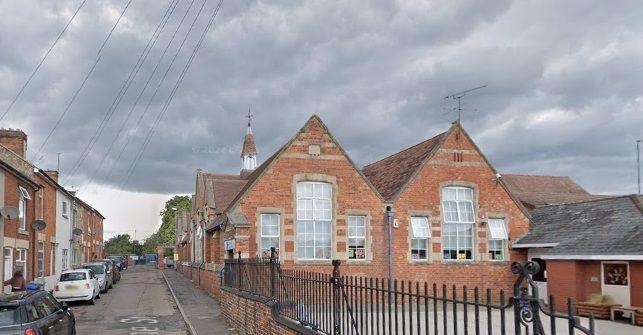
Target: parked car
101, 271
118, 260
114, 270
169, 262
33, 313
78, 285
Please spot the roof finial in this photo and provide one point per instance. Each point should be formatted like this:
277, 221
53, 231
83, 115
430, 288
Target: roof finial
249, 116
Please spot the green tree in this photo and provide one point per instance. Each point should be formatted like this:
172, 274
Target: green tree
167, 231
119, 244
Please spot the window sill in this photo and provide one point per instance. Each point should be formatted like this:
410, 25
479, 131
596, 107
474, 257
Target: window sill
313, 261
23, 232
499, 263
459, 262
420, 262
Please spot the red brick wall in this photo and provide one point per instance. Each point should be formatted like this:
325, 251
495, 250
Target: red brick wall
11, 197
15, 143
563, 281
636, 283
249, 317
491, 200
48, 211
275, 192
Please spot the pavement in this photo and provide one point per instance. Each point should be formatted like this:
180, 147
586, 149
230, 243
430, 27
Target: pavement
203, 312
140, 303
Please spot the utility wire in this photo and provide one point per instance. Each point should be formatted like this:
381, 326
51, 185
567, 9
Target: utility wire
138, 98
42, 60
175, 88
124, 87
89, 73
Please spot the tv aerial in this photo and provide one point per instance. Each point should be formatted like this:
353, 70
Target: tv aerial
459, 95
38, 225
9, 212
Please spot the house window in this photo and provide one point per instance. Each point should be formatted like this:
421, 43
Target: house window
459, 219
357, 237
22, 208
65, 209
269, 234
21, 261
41, 259
65, 255
497, 238
420, 234
314, 217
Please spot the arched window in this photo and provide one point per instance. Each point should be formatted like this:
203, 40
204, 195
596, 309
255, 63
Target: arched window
459, 220
314, 220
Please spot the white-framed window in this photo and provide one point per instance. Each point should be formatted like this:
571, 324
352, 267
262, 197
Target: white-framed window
314, 220
356, 237
65, 257
459, 220
22, 208
420, 234
21, 261
41, 259
24, 193
497, 237
8, 263
269, 234
65, 209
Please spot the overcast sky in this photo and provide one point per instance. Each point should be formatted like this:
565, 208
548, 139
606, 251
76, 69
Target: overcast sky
563, 97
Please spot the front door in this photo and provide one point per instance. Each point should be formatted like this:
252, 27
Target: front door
8, 264
616, 282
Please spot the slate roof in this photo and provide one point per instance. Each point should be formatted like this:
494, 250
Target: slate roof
226, 188
604, 227
390, 174
535, 191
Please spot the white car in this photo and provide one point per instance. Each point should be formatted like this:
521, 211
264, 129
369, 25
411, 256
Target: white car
77, 285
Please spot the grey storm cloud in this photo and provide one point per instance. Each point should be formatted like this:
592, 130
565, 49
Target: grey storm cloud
563, 97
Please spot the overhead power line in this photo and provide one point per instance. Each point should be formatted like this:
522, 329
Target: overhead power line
174, 89
138, 98
42, 61
89, 73
124, 87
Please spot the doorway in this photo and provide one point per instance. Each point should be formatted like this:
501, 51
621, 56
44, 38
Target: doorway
615, 282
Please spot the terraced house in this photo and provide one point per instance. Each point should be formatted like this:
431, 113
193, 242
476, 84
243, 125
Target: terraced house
452, 218
35, 194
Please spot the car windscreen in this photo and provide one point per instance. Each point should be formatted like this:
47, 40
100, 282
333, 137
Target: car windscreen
71, 276
9, 315
98, 269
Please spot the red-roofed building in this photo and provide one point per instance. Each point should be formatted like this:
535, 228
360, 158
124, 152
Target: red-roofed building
454, 218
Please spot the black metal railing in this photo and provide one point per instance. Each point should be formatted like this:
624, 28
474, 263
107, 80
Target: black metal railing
335, 304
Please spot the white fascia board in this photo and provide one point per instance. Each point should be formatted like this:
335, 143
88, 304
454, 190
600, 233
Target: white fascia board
596, 257
534, 245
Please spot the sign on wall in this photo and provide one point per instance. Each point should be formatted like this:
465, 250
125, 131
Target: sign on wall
229, 244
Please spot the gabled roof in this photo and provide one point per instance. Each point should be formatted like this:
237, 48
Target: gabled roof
589, 230
389, 175
535, 190
226, 188
261, 169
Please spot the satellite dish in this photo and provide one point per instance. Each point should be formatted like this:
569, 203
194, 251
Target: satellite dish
38, 225
77, 231
9, 212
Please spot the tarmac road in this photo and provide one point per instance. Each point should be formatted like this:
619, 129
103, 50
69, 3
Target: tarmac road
138, 304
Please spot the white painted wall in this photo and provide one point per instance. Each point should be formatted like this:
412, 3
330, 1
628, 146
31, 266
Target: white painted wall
63, 230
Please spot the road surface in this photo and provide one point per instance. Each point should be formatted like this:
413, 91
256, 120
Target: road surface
139, 304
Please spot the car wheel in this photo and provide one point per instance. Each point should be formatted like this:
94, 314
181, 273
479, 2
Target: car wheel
92, 301
98, 296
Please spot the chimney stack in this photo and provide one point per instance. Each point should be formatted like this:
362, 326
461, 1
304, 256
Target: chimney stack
53, 174
14, 140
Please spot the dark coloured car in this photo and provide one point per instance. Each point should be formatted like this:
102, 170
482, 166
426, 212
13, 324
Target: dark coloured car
34, 313
116, 275
118, 260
